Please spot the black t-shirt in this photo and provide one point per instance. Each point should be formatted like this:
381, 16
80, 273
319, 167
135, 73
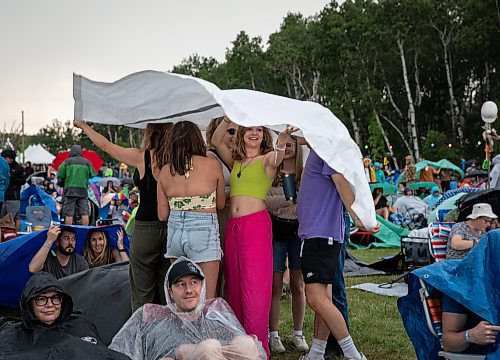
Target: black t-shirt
76, 264
382, 203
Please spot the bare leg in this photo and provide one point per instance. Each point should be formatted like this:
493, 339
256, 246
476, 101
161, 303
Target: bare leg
318, 299
298, 299
68, 220
85, 220
211, 271
274, 316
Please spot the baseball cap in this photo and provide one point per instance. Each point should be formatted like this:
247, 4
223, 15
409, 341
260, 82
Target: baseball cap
183, 268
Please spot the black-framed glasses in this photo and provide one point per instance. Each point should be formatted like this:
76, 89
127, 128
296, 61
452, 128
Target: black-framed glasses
231, 131
43, 300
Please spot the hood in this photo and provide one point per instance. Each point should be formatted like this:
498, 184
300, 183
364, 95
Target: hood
496, 160
40, 283
435, 189
76, 150
170, 301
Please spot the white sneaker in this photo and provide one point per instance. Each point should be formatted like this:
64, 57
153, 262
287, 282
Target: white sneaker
300, 342
275, 345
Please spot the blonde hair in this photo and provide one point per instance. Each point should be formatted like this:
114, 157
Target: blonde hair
104, 258
239, 148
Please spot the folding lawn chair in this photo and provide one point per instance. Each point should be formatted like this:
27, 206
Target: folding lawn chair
433, 317
439, 233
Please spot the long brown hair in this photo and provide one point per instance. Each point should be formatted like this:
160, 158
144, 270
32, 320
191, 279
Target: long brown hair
239, 148
104, 258
184, 142
155, 138
209, 132
299, 165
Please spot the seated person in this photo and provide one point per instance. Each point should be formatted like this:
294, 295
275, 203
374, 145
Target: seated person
382, 206
188, 327
99, 252
464, 331
433, 198
411, 207
464, 235
49, 328
64, 261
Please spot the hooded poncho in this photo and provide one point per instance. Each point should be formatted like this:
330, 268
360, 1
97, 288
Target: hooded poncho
156, 331
70, 337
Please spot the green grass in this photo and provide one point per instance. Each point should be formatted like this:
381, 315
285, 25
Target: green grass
375, 323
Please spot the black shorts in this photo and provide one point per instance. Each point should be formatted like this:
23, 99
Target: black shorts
319, 260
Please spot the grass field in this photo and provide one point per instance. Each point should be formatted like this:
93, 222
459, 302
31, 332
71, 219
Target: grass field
376, 325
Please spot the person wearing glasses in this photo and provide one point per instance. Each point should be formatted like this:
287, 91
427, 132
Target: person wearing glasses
464, 235
63, 261
50, 327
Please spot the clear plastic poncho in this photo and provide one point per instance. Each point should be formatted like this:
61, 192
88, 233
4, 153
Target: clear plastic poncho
210, 331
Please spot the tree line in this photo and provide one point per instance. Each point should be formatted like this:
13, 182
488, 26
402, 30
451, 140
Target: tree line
405, 77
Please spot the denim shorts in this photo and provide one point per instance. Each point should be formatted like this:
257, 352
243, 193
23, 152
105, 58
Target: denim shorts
194, 235
280, 251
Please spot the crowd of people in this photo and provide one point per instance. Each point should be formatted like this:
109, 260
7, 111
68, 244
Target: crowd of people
219, 218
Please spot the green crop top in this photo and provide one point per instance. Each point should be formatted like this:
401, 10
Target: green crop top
252, 180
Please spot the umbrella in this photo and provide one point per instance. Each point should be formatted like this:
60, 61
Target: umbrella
476, 173
421, 184
90, 155
388, 189
127, 181
446, 164
104, 181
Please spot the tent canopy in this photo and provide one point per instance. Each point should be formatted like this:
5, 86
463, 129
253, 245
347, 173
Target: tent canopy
36, 154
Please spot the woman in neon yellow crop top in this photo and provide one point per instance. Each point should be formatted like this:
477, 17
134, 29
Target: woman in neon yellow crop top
190, 190
248, 259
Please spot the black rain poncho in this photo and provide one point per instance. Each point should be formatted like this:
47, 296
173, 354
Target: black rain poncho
156, 332
70, 337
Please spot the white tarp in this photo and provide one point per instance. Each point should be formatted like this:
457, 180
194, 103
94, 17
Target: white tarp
36, 154
153, 96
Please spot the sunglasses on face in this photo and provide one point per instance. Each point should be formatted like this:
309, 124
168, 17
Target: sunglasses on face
486, 220
231, 131
43, 300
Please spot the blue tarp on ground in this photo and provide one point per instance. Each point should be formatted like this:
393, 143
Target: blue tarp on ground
474, 282
16, 254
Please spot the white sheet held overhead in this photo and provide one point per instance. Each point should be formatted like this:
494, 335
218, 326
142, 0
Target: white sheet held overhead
153, 96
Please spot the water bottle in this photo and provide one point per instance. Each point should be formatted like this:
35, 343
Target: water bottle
29, 228
288, 183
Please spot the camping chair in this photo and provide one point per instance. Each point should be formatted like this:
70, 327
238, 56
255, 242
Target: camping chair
40, 217
439, 233
433, 316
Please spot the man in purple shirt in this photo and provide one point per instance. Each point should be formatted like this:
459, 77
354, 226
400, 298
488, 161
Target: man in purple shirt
323, 193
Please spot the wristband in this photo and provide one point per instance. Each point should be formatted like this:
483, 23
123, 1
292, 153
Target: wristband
467, 337
48, 246
280, 148
122, 250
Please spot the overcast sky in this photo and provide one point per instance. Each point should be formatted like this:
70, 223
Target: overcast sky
43, 42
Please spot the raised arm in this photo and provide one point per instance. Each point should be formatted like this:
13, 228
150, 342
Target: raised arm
38, 260
130, 156
218, 142
347, 196
274, 158
120, 254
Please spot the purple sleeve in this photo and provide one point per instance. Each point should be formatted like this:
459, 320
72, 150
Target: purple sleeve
327, 170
